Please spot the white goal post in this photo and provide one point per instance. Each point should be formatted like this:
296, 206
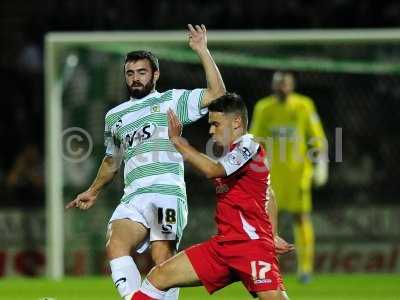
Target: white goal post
55, 42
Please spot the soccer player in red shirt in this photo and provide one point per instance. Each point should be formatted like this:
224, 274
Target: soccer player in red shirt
244, 248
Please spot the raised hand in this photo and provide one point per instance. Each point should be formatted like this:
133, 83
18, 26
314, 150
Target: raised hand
197, 37
174, 125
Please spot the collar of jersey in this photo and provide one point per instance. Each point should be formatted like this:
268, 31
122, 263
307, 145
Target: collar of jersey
247, 135
151, 95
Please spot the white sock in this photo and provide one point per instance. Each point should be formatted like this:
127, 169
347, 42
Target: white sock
148, 289
129, 297
125, 275
172, 294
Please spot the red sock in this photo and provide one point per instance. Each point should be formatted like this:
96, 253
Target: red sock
141, 296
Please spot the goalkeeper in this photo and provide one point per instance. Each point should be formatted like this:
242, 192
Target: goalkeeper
288, 124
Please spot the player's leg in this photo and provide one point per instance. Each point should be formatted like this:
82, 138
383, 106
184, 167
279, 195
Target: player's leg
122, 236
168, 222
305, 243
303, 228
201, 264
175, 272
160, 252
273, 295
298, 203
256, 264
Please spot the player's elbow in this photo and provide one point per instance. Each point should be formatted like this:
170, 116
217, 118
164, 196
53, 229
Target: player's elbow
210, 175
214, 172
112, 164
217, 91
220, 91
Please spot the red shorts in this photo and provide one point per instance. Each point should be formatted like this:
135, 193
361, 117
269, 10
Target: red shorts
253, 262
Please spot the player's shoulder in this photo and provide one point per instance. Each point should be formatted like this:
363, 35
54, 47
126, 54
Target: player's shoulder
120, 107
266, 103
178, 93
247, 145
267, 100
302, 100
165, 94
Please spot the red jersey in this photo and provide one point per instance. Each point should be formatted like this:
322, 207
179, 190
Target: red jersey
241, 195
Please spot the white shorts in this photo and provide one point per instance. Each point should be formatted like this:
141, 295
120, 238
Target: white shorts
164, 216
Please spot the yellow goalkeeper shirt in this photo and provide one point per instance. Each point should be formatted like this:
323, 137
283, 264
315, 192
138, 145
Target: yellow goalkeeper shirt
292, 133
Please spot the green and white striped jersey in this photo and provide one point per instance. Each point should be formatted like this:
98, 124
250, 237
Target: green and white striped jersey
137, 131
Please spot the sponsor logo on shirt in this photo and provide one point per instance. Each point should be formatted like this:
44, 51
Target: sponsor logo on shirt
138, 136
233, 159
246, 153
283, 132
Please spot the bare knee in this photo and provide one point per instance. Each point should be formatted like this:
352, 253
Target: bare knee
122, 236
273, 295
158, 277
116, 248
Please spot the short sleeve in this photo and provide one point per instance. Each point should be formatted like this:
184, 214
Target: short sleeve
243, 152
111, 143
188, 105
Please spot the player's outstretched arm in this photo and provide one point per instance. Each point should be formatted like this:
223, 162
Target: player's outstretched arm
281, 246
198, 42
272, 210
108, 168
200, 161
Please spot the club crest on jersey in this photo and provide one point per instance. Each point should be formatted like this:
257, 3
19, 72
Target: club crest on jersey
118, 124
155, 108
141, 134
233, 159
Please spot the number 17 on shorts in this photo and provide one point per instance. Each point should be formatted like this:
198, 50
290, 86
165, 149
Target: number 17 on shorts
259, 269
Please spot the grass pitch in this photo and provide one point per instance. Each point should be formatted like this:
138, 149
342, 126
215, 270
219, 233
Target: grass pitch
323, 287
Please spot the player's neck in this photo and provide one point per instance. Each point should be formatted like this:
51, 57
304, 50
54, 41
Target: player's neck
282, 98
238, 134
143, 97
